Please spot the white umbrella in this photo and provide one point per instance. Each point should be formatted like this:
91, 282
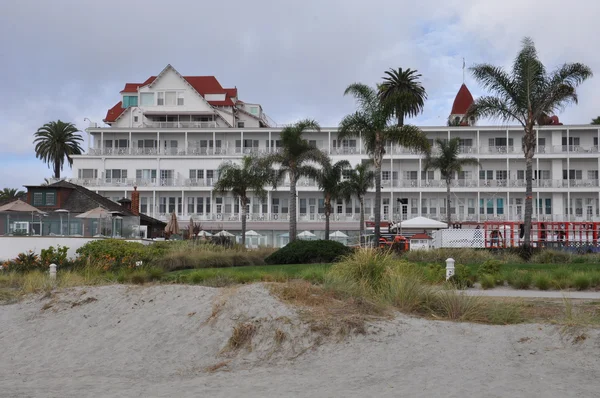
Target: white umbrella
338, 234
204, 233
252, 233
224, 233
306, 235
423, 223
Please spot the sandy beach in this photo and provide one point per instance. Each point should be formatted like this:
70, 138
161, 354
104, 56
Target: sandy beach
173, 341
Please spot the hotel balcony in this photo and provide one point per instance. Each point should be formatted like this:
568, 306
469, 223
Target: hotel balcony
179, 125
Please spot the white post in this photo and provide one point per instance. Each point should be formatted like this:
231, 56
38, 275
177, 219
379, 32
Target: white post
449, 268
52, 271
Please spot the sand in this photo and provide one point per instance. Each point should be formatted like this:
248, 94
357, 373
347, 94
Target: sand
172, 341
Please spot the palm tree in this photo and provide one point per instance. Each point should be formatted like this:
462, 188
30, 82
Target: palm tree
448, 163
361, 180
370, 122
296, 160
56, 140
250, 176
596, 120
526, 94
329, 180
403, 93
11, 193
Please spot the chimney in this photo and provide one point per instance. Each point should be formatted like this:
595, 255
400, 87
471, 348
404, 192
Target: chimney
126, 203
135, 201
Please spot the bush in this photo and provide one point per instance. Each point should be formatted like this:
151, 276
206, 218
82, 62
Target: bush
439, 256
548, 256
25, 262
434, 273
56, 256
488, 281
541, 281
453, 305
366, 270
462, 277
489, 267
110, 254
520, 279
581, 281
309, 252
561, 278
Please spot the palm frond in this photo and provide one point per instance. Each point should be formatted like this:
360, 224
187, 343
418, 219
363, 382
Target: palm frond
408, 136
495, 108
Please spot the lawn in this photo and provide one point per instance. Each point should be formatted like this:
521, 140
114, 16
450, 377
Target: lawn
543, 267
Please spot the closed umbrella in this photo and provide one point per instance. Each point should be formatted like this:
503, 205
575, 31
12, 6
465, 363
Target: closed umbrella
172, 227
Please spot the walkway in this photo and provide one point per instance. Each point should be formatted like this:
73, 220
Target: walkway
534, 293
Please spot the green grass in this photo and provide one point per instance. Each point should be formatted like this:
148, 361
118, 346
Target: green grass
269, 273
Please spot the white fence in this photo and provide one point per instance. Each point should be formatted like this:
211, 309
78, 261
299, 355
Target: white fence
473, 238
11, 246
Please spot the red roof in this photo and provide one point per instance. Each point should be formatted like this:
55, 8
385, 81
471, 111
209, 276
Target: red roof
114, 113
462, 102
421, 236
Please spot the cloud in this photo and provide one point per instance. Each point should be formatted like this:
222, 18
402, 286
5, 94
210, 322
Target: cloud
295, 58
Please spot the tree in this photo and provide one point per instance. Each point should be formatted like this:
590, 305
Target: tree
596, 120
370, 122
526, 94
55, 141
296, 159
329, 180
448, 163
11, 193
361, 180
402, 93
240, 180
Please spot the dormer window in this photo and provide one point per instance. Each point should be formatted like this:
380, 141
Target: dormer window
254, 110
147, 99
169, 98
130, 100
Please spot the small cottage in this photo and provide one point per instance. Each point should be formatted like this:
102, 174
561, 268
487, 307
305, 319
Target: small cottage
420, 242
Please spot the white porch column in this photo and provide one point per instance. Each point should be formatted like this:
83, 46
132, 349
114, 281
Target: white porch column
214, 143
102, 142
478, 145
242, 141
158, 151
186, 143
268, 218
130, 143
154, 203
478, 206
329, 142
360, 144
269, 146
183, 205
88, 135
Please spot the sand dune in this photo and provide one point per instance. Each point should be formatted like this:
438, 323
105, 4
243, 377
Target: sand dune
174, 341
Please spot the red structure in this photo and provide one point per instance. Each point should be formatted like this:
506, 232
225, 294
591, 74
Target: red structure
499, 234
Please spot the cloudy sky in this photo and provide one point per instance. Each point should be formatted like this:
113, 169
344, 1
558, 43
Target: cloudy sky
68, 59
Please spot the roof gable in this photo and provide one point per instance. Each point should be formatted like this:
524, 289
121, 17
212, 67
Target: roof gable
114, 113
462, 102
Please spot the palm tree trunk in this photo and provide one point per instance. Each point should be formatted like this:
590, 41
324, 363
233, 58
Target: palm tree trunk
56, 170
292, 231
377, 207
448, 217
361, 228
529, 148
244, 199
400, 116
327, 214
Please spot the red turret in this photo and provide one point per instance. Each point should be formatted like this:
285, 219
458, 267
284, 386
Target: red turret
462, 102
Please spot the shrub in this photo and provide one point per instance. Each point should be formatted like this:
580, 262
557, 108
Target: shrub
503, 313
434, 273
114, 253
53, 255
462, 277
561, 278
366, 270
453, 305
520, 279
309, 251
487, 281
541, 281
439, 256
313, 274
25, 262
490, 267
581, 281
551, 257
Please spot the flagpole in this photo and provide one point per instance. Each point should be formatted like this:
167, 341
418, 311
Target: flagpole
463, 70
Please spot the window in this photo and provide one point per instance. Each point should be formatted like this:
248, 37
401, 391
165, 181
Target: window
144, 205
130, 100
135, 119
541, 142
385, 175
196, 174
145, 174
240, 125
467, 142
520, 174
501, 174
572, 141
147, 99
486, 174
171, 207
490, 206
170, 98
160, 98
116, 174
166, 174
38, 199
541, 174
499, 206
87, 173
162, 207
180, 100
410, 175
572, 175
179, 205
50, 199
254, 110
210, 174
200, 204
427, 175
548, 203
595, 141
592, 174
465, 175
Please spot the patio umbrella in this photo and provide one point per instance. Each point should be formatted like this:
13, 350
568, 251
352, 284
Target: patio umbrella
338, 234
224, 233
18, 206
172, 226
252, 233
98, 212
306, 235
204, 233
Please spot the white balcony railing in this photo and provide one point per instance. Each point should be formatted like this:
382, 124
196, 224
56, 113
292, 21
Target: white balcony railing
176, 125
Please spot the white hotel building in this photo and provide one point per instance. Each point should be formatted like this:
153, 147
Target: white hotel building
169, 134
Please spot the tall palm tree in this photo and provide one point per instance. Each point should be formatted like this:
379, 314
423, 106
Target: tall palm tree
10, 193
55, 141
449, 163
296, 159
403, 93
329, 180
361, 180
240, 180
526, 94
370, 123
596, 120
